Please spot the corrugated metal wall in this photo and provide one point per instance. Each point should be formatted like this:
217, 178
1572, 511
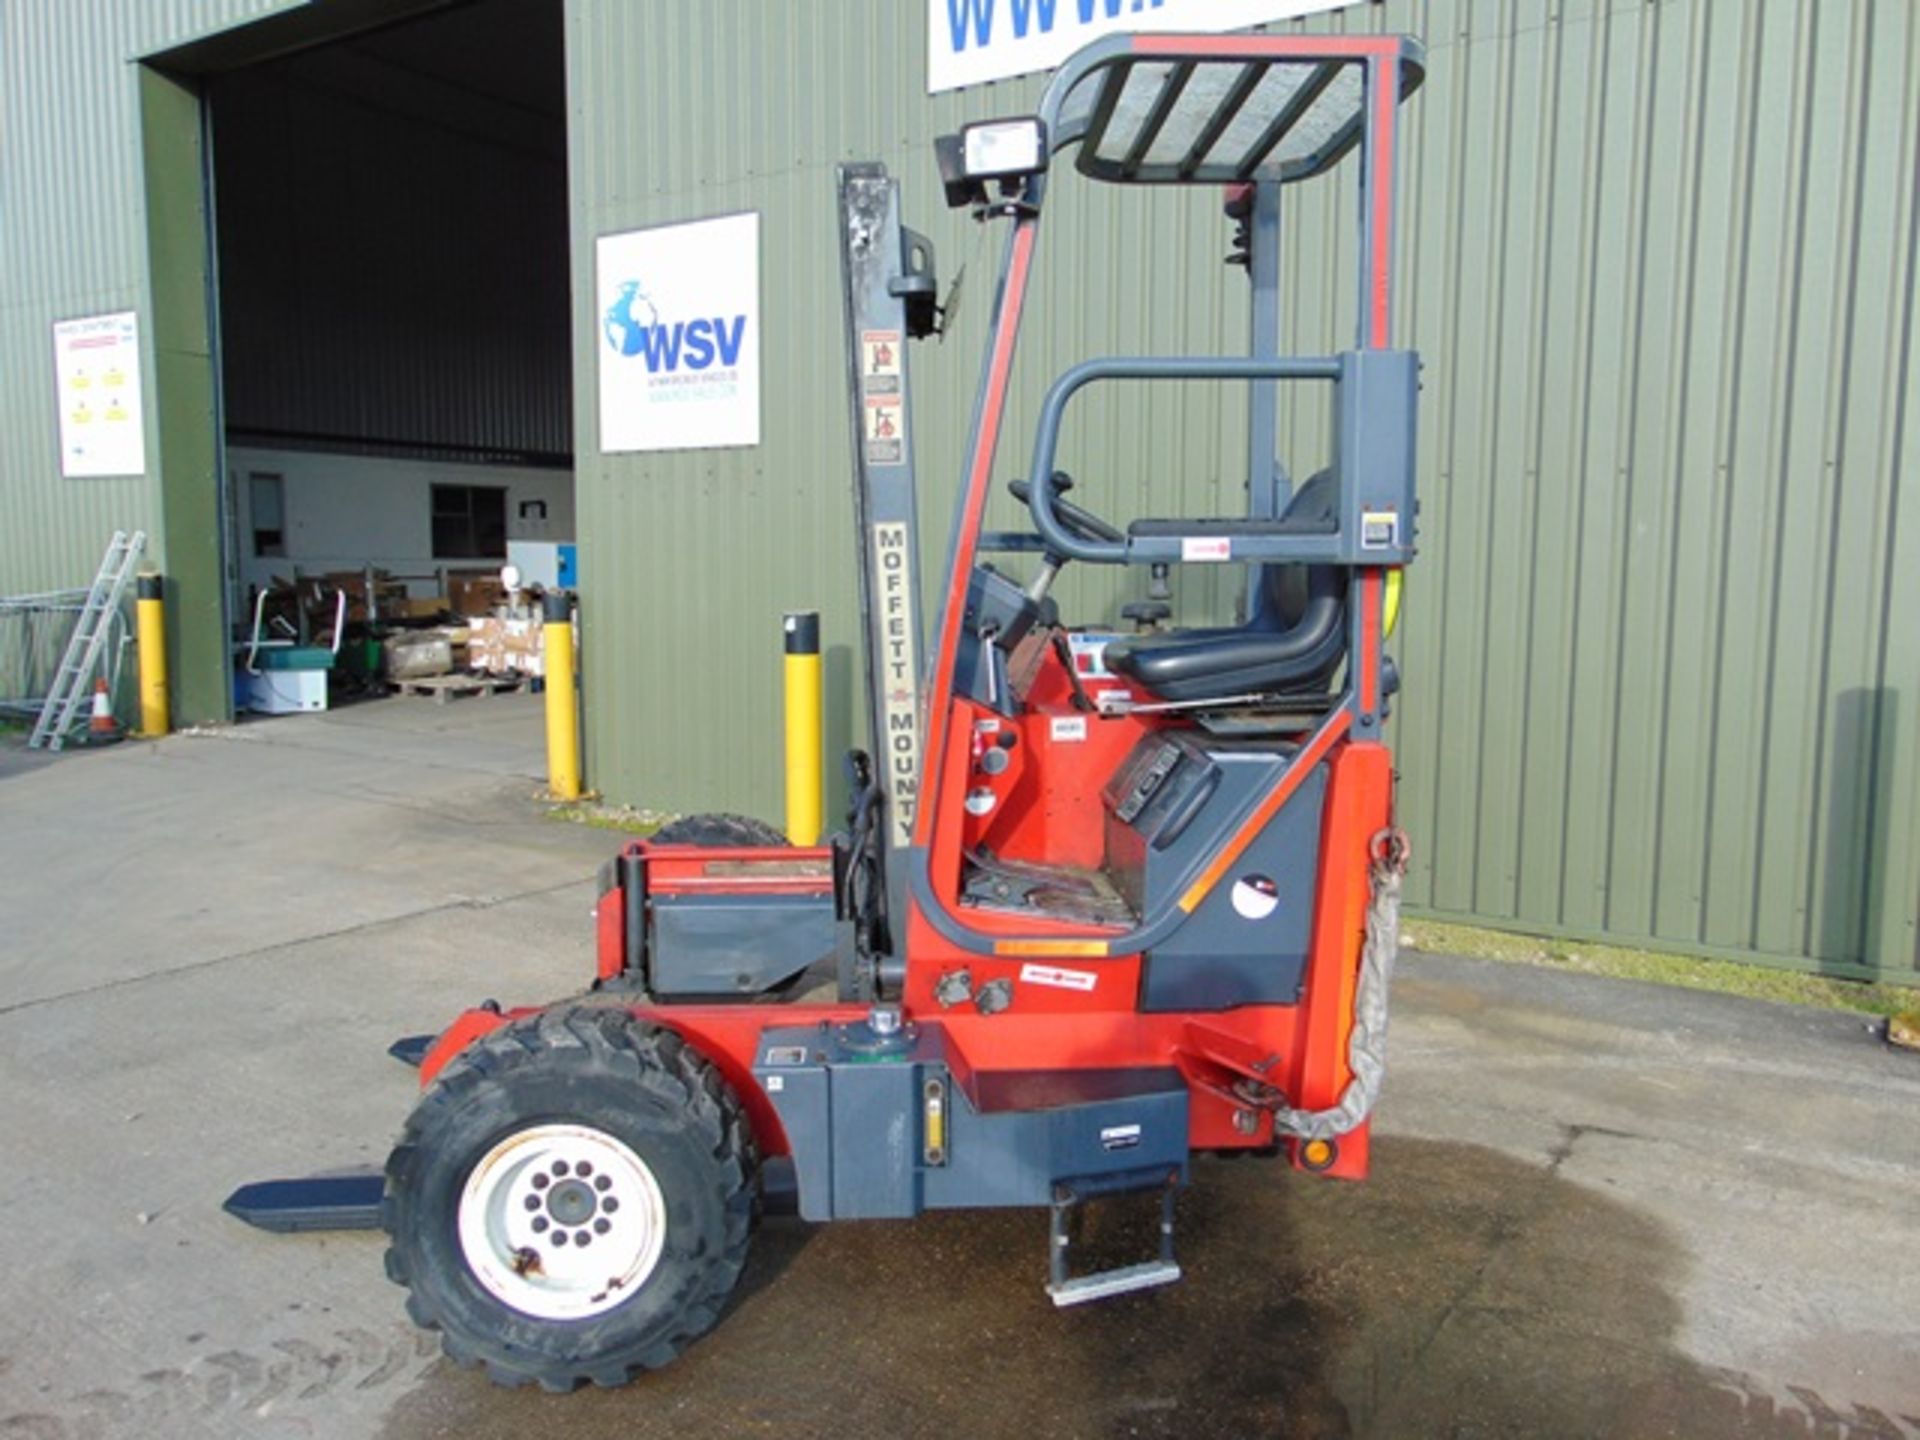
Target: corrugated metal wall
1662, 662
73, 242
1664, 274
1663, 643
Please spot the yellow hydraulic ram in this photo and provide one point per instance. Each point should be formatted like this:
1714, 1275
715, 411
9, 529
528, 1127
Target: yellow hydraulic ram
150, 625
563, 701
806, 755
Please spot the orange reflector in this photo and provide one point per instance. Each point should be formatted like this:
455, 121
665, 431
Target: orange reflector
1318, 1154
1050, 947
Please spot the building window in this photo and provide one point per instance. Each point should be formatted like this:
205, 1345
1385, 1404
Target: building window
267, 504
469, 522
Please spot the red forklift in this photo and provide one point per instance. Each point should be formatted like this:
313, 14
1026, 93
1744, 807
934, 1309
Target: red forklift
1103, 901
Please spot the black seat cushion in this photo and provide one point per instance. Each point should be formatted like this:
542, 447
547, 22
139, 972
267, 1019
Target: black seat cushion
1293, 644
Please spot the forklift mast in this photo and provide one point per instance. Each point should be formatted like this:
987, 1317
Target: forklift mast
888, 284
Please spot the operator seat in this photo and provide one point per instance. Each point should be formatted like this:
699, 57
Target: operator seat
1292, 645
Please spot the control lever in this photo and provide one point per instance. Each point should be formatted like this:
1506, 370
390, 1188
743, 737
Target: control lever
1065, 651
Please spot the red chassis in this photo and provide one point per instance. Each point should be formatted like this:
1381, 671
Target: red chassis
1300, 1050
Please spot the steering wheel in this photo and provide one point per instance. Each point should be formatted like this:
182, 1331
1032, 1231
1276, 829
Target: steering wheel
1083, 523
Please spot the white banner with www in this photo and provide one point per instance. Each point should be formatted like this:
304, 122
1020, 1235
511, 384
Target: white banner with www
972, 41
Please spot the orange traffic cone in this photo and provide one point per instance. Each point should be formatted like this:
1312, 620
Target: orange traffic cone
101, 727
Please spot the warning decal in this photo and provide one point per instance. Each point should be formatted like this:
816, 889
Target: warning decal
880, 362
1059, 979
886, 430
1379, 529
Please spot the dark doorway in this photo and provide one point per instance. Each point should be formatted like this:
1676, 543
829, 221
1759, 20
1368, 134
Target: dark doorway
391, 233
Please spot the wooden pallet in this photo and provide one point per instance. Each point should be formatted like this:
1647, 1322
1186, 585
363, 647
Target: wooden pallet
448, 687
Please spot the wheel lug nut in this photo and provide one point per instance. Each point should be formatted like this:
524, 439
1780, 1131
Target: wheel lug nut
559, 1169
539, 1223
610, 1204
600, 1226
583, 1169
559, 1237
581, 1237
602, 1184
533, 1202
540, 1182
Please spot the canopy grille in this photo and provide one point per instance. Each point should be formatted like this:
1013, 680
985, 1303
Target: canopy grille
1207, 120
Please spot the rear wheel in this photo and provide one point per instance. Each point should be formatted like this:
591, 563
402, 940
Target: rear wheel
571, 1200
732, 831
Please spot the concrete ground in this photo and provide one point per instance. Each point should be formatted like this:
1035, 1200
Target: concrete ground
1597, 1208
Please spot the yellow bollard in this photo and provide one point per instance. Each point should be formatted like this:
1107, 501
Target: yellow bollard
563, 701
806, 763
150, 626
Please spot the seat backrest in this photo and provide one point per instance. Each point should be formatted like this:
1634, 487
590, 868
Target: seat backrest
1287, 590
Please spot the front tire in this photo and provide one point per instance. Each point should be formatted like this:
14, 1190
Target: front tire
571, 1200
723, 831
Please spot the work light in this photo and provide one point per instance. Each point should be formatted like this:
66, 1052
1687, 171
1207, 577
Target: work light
1003, 150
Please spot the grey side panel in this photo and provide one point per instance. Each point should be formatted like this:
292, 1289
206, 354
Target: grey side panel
1248, 946
1169, 808
1015, 1157
876, 1139
798, 1089
855, 1122
736, 945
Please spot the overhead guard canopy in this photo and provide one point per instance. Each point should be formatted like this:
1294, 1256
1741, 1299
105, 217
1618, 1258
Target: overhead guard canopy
1219, 109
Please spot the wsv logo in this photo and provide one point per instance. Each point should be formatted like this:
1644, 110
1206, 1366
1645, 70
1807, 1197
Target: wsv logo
633, 327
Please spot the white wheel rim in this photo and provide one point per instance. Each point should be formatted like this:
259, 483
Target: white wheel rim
562, 1222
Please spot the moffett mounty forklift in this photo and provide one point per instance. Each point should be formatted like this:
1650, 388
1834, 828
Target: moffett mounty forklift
1102, 902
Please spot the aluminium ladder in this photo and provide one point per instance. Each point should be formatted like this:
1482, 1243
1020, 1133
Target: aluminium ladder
82, 657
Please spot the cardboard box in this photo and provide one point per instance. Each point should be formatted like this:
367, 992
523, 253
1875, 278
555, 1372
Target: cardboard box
474, 592
505, 647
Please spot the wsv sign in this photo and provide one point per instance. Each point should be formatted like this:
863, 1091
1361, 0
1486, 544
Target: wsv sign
690, 344
683, 374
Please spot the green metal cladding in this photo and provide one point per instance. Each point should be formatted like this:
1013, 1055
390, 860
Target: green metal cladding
1662, 646
83, 230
